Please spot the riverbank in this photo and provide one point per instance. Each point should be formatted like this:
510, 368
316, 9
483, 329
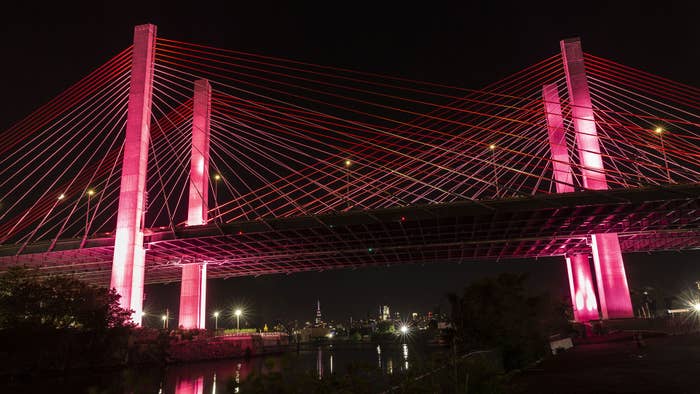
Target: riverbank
662, 364
28, 353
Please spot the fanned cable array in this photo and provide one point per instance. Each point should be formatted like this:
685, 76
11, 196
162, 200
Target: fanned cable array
292, 139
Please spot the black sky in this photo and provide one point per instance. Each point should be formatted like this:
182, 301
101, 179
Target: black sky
47, 47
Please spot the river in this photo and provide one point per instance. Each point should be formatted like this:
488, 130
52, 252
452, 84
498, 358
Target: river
215, 376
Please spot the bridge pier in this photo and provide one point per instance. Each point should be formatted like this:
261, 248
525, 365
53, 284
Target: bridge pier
613, 291
193, 290
583, 298
129, 256
193, 296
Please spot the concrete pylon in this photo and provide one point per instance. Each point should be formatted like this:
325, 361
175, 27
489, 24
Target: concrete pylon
129, 255
193, 290
583, 298
613, 291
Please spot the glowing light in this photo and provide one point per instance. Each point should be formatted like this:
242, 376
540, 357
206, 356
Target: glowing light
403, 218
404, 329
347, 163
696, 306
658, 130
217, 177
370, 250
216, 314
90, 192
164, 318
238, 312
492, 146
61, 196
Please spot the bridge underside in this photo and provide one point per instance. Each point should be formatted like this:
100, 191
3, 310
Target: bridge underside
528, 227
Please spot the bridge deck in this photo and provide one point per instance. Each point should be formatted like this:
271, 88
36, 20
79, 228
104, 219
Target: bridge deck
656, 218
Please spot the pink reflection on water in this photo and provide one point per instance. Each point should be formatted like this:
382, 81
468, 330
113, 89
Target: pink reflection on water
190, 386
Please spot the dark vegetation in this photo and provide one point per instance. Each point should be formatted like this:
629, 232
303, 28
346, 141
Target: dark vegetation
59, 323
498, 313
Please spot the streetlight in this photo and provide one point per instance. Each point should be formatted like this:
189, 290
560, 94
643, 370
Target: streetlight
347, 182
660, 132
696, 306
165, 318
492, 148
89, 193
216, 320
217, 178
404, 329
238, 313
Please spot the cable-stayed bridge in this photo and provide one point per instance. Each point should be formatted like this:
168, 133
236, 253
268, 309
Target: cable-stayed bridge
177, 161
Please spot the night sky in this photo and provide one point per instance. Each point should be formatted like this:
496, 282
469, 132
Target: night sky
46, 48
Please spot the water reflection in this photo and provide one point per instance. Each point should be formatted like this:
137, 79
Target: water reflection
190, 386
319, 363
215, 377
405, 356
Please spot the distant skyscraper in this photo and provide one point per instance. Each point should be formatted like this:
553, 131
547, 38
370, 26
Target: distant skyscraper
318, 312
384, 313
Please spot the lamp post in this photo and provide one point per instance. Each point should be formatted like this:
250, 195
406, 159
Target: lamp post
660, 132
347, 182
165, 318
238, 313
216, 320
217, 178
90, 193
492, 148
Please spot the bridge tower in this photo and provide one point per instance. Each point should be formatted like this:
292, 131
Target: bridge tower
583, 297
129, 255
194, 275
613, 291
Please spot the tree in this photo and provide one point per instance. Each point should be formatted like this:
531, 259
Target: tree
28, 302
496, 312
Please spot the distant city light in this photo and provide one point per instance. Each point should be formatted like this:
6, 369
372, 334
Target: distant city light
370, 250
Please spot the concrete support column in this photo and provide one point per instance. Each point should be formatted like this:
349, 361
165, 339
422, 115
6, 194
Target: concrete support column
583, 299
613, 291
583, 296
199, 163
561, 166
193, 291
129, 255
